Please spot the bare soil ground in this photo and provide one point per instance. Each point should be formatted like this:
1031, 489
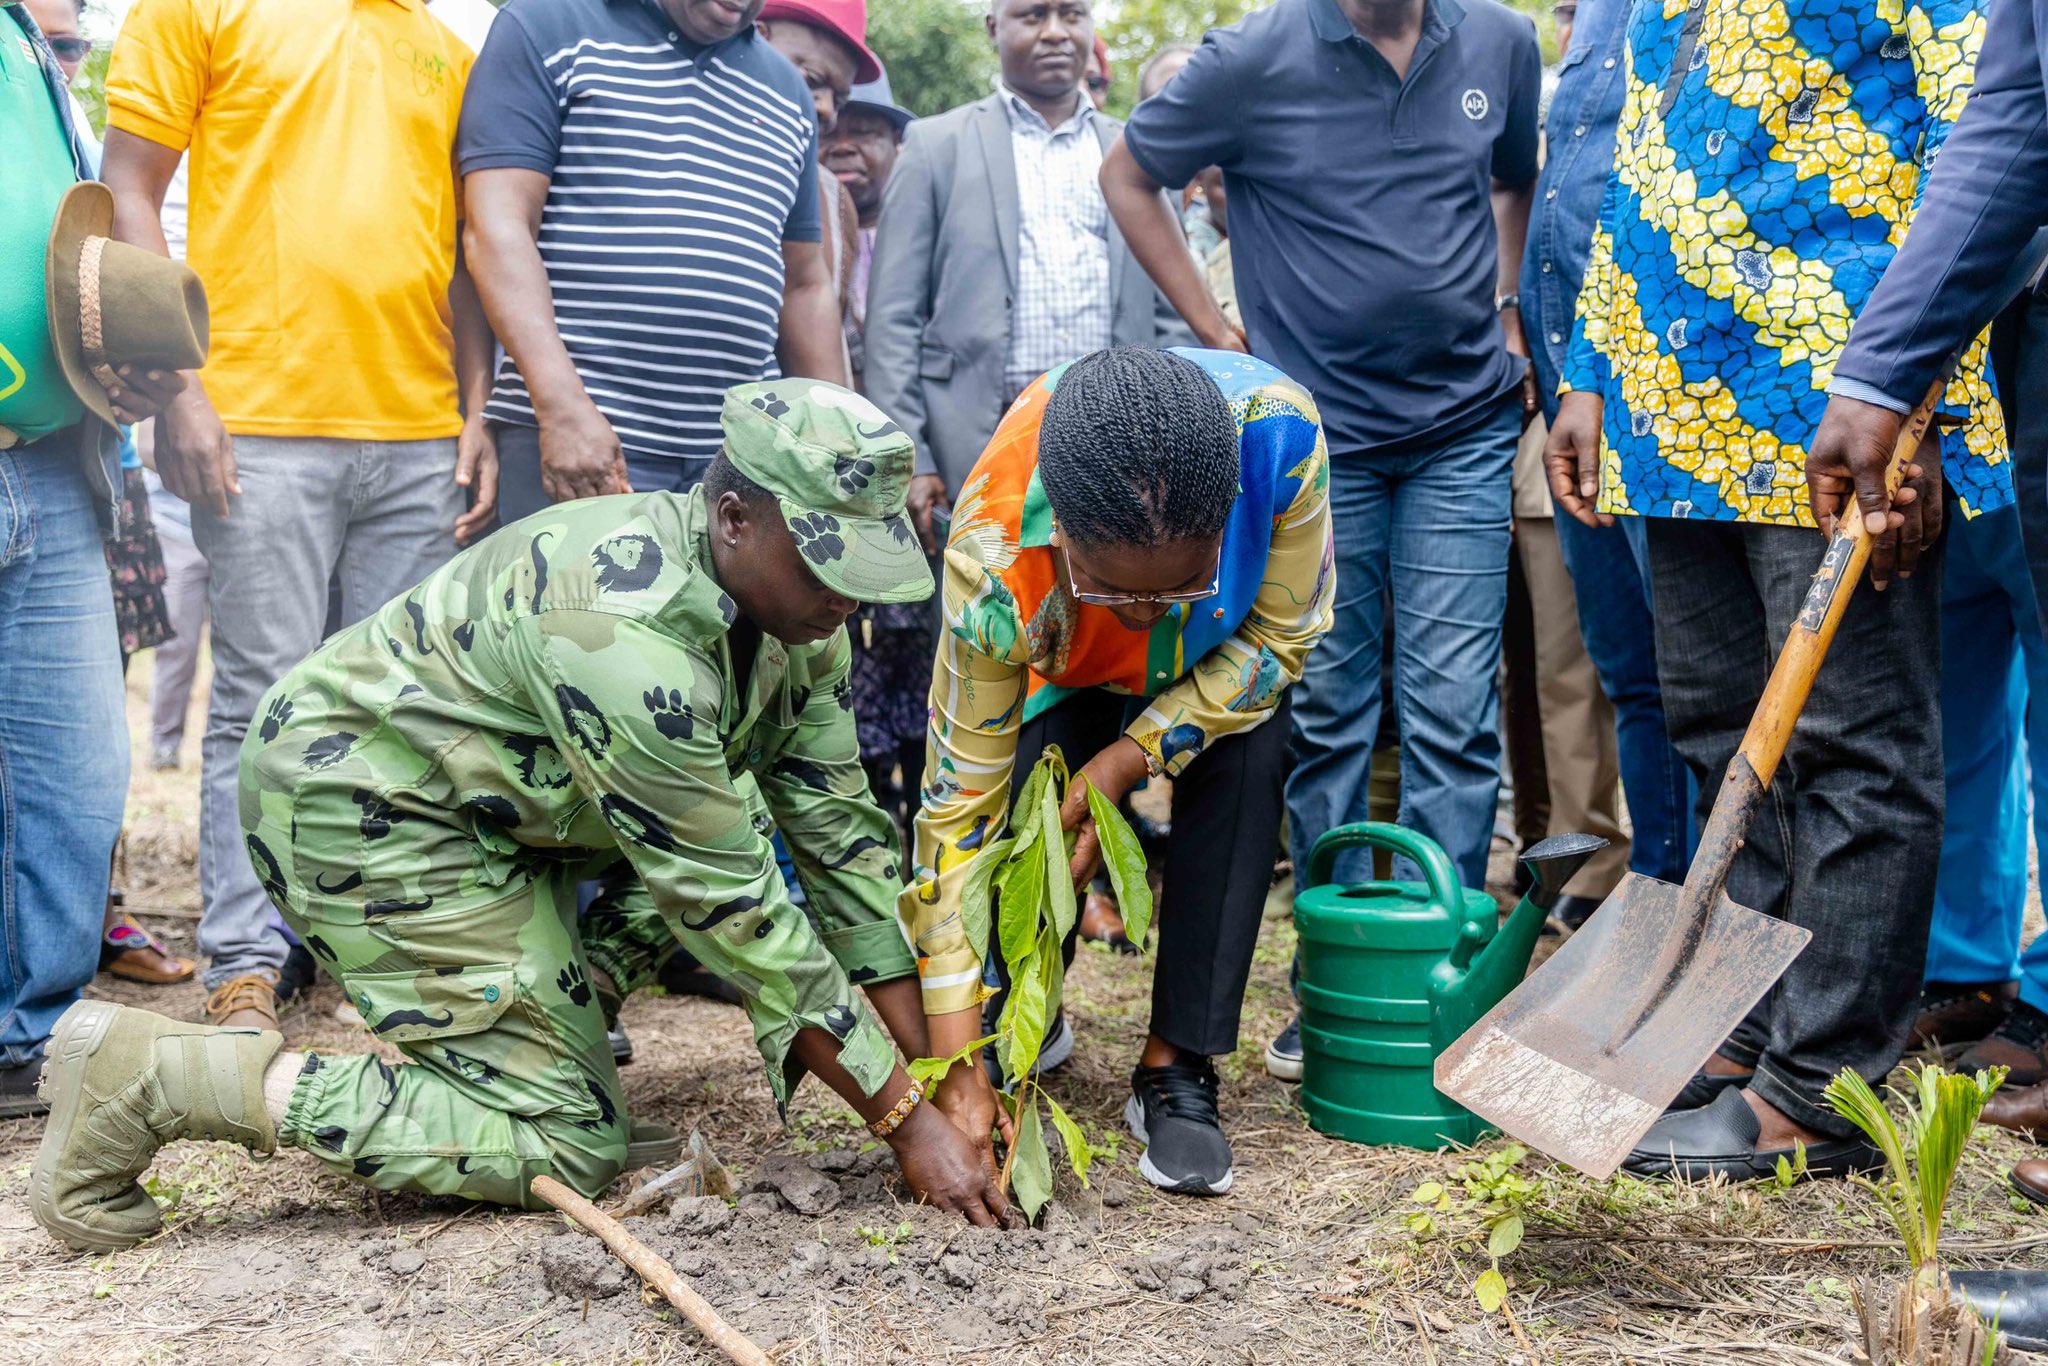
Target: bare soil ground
1312, 1258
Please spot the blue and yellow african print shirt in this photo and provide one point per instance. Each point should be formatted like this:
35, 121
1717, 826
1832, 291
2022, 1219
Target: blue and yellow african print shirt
1769, 158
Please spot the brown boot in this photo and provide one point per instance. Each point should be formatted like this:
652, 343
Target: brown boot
2022, 1109
2030, 1179
1957, 1014
245, 1002
2020, 1045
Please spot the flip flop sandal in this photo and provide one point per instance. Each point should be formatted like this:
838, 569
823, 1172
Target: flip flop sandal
134, 954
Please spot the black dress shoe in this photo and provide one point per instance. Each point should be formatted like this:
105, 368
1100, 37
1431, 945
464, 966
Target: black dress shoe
1703, 1088
1720, 1140
2017, 1301
1574, 911
18, 1098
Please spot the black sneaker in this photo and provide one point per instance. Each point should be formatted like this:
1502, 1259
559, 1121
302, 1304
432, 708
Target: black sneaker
18, 1098
1283, 1055
1172, 1111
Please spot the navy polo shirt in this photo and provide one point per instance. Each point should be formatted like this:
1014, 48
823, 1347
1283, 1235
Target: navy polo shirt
1361, 218
675, 174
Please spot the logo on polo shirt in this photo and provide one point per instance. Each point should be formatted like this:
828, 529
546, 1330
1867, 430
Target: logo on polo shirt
1474, 104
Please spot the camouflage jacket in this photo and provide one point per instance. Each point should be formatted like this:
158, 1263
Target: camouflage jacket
566, 690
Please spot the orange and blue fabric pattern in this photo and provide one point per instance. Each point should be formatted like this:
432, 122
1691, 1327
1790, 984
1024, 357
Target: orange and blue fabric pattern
1770, 156
1016, 642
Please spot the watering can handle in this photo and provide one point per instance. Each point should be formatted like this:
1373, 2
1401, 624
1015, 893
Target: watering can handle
1427, 854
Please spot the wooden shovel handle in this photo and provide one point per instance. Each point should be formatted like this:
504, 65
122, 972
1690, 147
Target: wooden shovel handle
654, 1270
1807, 644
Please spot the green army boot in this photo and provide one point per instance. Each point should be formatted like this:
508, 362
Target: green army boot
121, 1083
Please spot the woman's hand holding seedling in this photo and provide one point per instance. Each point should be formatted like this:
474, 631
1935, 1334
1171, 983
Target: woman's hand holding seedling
1112, 774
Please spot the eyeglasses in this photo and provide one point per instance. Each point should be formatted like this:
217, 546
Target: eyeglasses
1142, 599
71, 49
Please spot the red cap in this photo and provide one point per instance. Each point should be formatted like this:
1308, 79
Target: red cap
844, 19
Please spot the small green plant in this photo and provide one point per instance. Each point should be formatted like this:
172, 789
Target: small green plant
889, 1238
1496, 1196
1018, 891
1922, 1155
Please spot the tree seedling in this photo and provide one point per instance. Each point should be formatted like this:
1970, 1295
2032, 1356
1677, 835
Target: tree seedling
1018, 890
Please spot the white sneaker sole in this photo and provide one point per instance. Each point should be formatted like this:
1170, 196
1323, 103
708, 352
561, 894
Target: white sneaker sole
1134, 1120
1282, 1065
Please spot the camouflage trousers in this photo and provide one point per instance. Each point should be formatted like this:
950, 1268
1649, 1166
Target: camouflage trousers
492, 999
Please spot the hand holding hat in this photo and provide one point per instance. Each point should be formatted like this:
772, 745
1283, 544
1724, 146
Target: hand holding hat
123, 321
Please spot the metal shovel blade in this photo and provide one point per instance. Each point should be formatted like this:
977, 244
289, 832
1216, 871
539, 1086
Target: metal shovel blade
1581, 1058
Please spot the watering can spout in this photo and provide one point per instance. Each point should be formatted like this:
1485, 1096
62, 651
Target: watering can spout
1487, 964
1553, 862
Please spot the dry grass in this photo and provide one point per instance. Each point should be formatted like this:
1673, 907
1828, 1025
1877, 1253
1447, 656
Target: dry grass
277, 1261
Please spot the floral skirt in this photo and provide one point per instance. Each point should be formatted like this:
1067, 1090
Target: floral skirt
136, 562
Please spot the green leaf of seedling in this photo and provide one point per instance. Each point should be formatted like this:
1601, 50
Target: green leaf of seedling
1020, 888
1059, 882
1505, 1238
1031, 1166
933, 1070
1124, 857
1079, 1154
1491, 1290
1427, 1193
1021, 1029
976, 891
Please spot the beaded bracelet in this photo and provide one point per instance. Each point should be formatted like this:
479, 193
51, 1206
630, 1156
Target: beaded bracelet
889, 1123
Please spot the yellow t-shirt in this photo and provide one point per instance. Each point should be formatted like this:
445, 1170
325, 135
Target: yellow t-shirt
323, 202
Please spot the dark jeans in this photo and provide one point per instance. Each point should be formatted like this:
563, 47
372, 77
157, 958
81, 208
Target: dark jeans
1848, 839
519, 489
1612, 587
1219, 861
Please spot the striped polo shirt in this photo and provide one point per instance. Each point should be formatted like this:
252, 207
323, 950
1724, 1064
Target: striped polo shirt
676, 172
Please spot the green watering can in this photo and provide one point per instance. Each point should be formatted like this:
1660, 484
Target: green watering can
1393, 972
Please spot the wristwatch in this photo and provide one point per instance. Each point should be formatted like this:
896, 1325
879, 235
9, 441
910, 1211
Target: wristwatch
1503, 302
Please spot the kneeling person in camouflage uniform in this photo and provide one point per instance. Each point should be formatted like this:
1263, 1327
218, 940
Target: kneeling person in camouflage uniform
648, 677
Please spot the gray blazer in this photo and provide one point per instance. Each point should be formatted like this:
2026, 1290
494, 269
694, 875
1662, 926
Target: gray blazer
944, 277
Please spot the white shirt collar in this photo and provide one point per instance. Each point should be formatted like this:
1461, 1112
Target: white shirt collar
1019, 111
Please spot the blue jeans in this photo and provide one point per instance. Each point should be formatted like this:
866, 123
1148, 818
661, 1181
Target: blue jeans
519, 488
1433, 523
63, 739
1993, 659
1611, 581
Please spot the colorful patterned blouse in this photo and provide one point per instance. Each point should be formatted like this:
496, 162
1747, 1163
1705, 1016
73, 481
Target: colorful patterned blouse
1016, 642
1770, 155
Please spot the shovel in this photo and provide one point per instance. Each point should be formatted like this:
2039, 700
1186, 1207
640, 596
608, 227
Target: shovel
1583, 1057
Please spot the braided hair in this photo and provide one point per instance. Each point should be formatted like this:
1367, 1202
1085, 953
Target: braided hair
1138, 448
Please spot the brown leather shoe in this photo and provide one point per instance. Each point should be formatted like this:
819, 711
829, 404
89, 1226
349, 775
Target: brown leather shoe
2030, 1179
2019, 1045
1103, 923
245, 1002
2022, 1109
1956, 1014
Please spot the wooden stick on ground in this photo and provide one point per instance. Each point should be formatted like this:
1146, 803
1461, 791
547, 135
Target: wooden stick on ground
653, 1270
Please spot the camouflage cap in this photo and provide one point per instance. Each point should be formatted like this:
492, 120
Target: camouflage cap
840, 469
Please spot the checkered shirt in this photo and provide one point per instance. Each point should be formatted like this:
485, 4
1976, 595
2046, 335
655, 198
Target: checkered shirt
1062, 308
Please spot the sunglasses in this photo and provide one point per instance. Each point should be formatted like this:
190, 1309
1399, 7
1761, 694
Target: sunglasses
1141, 599
71, 49
1097, 84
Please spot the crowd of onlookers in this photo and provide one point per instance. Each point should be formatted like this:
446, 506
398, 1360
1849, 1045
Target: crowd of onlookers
1571, 334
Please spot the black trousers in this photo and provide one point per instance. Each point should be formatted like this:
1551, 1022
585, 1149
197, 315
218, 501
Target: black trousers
1219, 861
1848, 838
2019, 356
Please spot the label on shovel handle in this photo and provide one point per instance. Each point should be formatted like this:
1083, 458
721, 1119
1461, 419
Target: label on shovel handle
1827, 581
